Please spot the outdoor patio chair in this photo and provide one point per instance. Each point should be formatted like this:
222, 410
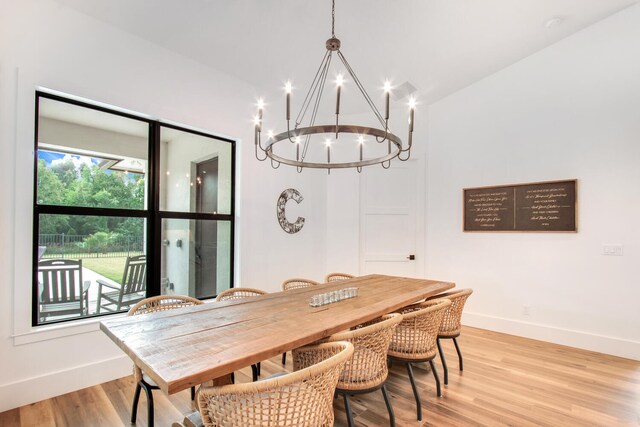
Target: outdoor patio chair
62, 290
131, 289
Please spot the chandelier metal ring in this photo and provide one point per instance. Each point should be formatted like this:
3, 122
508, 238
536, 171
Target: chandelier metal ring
394, 140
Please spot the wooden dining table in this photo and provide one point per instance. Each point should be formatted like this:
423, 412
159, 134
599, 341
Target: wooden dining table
189, 346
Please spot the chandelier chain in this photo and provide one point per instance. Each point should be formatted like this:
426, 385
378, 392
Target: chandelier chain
333, 18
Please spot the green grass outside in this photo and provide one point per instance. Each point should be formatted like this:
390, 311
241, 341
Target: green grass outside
111, 268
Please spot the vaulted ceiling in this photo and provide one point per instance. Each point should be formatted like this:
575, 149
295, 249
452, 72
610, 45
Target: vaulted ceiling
439, 46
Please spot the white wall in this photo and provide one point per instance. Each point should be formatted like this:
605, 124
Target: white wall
43, 44
569, 111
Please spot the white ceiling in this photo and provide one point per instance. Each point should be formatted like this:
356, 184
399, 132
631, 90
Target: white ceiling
66, 112
440, 46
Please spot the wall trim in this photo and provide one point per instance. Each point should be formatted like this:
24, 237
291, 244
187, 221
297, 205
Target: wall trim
60, 330
34, 389
599, 343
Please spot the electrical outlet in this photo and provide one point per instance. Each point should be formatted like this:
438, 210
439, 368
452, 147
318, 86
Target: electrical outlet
612, 250
526, 310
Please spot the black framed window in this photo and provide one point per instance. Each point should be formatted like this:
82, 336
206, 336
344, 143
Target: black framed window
124, 208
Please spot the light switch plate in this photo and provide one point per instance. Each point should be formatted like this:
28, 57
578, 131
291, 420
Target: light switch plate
612, 250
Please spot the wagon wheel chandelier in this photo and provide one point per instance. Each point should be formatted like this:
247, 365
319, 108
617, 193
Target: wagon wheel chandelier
301, 135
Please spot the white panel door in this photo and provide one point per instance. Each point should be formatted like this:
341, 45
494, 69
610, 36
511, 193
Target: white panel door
388, 202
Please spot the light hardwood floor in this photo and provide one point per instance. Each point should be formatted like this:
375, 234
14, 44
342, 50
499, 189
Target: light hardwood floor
507, 381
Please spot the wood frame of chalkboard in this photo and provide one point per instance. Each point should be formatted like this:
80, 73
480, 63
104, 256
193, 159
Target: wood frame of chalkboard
549, 206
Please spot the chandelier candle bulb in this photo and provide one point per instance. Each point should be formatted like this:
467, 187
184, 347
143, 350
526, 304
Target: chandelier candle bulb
412, 109
386, 108
260, 107
387, 91
411, 120
339, 80
287, 89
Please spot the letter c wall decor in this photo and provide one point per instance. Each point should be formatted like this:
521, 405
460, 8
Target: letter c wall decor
285, 196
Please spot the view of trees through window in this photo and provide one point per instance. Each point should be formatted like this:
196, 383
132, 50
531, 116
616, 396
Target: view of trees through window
92, 211
68, 180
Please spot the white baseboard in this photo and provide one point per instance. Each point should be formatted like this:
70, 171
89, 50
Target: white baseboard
30, 390
579, 339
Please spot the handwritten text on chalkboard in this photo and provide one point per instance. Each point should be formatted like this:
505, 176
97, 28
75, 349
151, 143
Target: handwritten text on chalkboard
545, 206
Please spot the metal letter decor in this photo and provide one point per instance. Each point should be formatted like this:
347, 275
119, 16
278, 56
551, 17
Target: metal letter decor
285, 196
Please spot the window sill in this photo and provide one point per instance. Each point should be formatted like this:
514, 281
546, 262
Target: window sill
52, 332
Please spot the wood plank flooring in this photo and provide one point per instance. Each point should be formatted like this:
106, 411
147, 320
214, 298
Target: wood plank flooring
507, 381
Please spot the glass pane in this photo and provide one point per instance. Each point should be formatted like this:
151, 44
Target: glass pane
90, 158
89, 265
195, 173
196, 257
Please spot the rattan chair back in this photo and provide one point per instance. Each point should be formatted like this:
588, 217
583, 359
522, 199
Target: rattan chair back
367, 368
450, 326
297, 283
159, 303
302, 398
415, 337
162, 303
239, 293
334, 277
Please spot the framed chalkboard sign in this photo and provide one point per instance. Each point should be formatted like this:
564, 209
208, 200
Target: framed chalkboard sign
541, 206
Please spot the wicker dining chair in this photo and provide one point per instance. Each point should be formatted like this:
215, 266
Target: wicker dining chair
366, 371
241, 293
291, 284
303, 398
451, 327
334, 277
414, 340
150, 305
296, 283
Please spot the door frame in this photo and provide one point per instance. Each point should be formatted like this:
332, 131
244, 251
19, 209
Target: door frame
194, 228
418, 189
